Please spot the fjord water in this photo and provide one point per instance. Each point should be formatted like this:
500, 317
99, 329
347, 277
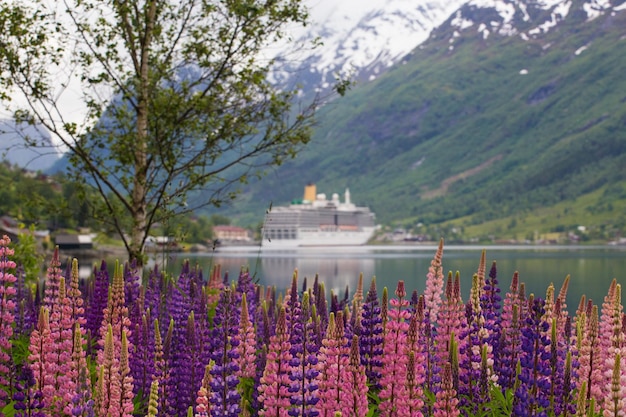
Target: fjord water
591, 269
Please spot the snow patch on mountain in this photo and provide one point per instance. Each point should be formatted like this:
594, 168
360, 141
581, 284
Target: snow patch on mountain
359, 37
505, 15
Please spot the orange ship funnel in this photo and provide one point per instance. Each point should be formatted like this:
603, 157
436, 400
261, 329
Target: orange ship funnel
309, 192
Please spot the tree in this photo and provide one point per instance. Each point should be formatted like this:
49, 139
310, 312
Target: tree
175, 103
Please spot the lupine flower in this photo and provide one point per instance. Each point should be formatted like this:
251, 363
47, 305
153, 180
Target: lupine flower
303, 373
371, 338
334, 387
274, 388
153, 401
94, 311
357, 401
53, 275
28, 401
225, 399
510, 335
470, 349
115, 314
532, 394
203, 405
451, 318
59, 392
108, 390
394, 392
246, 348
82, 403
446, 403
7, 314
434, 286
142, 365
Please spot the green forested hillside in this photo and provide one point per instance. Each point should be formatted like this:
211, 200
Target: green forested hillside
471, 131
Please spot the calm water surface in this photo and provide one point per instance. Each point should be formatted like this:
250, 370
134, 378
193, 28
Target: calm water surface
591, 269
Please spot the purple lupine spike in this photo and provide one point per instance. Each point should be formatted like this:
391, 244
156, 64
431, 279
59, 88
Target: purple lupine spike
7, 314
178, 304
532, 393
470, 350
491, 308
142, 365
225, 400
153, 291
303, 372
94, 311
27, 400
510, 335
371, 340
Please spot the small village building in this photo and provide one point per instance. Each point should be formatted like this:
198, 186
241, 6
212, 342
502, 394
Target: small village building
231, 233
73, 242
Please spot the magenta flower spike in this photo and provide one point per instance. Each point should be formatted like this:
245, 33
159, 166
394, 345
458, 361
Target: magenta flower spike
7, 314
394, 393
274, 388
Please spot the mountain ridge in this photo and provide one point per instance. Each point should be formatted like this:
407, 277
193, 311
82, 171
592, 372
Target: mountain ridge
546, 110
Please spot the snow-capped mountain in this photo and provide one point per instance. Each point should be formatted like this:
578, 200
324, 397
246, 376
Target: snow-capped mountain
360, 38
363, 38
526, 18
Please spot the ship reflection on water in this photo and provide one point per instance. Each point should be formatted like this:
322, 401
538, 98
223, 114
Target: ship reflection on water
335, 272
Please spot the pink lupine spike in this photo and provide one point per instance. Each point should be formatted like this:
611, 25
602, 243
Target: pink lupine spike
203, 405
334, 387
394, 393
247, 343
446, 402
357, 397
108, 394
7, 312
125, 380
59, 393
40, 345
434, 285
274, 384
53, 275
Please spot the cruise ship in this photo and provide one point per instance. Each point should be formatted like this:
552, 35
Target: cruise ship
317, 221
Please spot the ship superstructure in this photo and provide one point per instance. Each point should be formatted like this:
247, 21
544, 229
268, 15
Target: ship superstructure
318, 221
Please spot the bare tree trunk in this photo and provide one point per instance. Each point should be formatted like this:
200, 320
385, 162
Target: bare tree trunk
138, 231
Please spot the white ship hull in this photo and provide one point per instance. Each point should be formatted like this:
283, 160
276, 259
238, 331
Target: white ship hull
321, 238
317, 221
